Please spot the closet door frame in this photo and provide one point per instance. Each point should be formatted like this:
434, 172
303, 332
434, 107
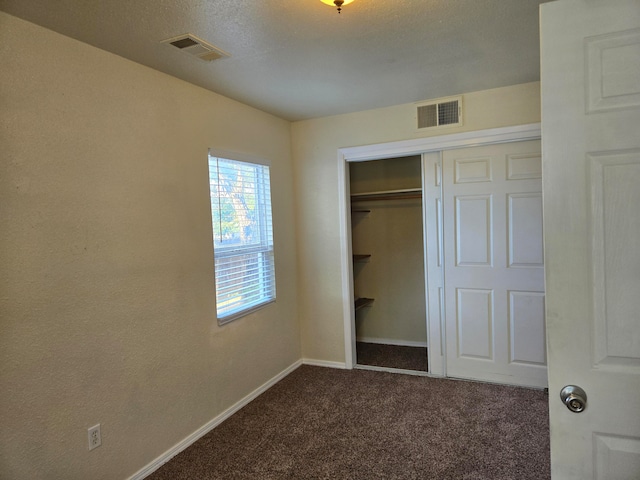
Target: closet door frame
422, 146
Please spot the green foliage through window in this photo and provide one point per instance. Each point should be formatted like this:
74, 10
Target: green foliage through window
243, 236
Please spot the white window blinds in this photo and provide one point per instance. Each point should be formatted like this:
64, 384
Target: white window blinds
243, 236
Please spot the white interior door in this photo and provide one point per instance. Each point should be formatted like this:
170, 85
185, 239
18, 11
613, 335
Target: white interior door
590, 52
493, 263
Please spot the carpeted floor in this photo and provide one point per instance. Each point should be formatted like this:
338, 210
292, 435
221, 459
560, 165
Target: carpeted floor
392, 356
321, 423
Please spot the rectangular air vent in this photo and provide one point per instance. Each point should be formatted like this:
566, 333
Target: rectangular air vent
196, 47
440, 113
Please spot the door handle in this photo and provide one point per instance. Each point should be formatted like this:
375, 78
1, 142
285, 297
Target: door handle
574, 398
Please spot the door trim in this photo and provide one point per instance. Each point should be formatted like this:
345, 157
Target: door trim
393, 150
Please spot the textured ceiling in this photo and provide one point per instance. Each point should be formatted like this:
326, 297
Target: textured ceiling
299, 59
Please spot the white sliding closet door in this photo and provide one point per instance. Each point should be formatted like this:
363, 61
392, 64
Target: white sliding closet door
493, 263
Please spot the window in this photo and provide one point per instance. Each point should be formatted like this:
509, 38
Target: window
242, 236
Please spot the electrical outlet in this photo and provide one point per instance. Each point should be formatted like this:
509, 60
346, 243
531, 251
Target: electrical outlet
95, 440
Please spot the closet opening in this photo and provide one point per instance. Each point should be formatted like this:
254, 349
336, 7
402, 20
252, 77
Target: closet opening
388, 263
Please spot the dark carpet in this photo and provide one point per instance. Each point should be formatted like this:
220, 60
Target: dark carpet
392, 356
321, 423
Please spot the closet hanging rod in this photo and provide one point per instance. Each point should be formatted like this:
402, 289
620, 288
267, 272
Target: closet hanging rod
403, 194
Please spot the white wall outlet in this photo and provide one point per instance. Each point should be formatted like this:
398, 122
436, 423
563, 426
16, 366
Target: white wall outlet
95, 440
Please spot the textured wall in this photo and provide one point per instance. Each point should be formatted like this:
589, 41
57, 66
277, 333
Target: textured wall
315, 146
106, 294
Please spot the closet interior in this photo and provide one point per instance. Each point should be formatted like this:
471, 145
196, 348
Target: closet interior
388, 263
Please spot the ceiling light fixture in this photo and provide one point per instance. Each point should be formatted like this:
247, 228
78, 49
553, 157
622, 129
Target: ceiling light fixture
337, 3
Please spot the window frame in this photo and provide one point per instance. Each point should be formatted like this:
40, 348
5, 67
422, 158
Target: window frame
265, 248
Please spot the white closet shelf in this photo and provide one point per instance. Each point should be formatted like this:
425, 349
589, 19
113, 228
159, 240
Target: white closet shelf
402, 194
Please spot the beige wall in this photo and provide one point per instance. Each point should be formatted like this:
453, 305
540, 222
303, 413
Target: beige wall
106, 294
315, 145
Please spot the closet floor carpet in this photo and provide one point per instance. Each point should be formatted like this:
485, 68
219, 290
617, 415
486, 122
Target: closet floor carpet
392, 356
322, 423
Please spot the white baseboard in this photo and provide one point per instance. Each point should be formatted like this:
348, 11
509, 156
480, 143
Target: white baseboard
202, 431
391, 341
324, 363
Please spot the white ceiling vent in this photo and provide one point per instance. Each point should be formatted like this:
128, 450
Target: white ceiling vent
440, 113
196, 47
